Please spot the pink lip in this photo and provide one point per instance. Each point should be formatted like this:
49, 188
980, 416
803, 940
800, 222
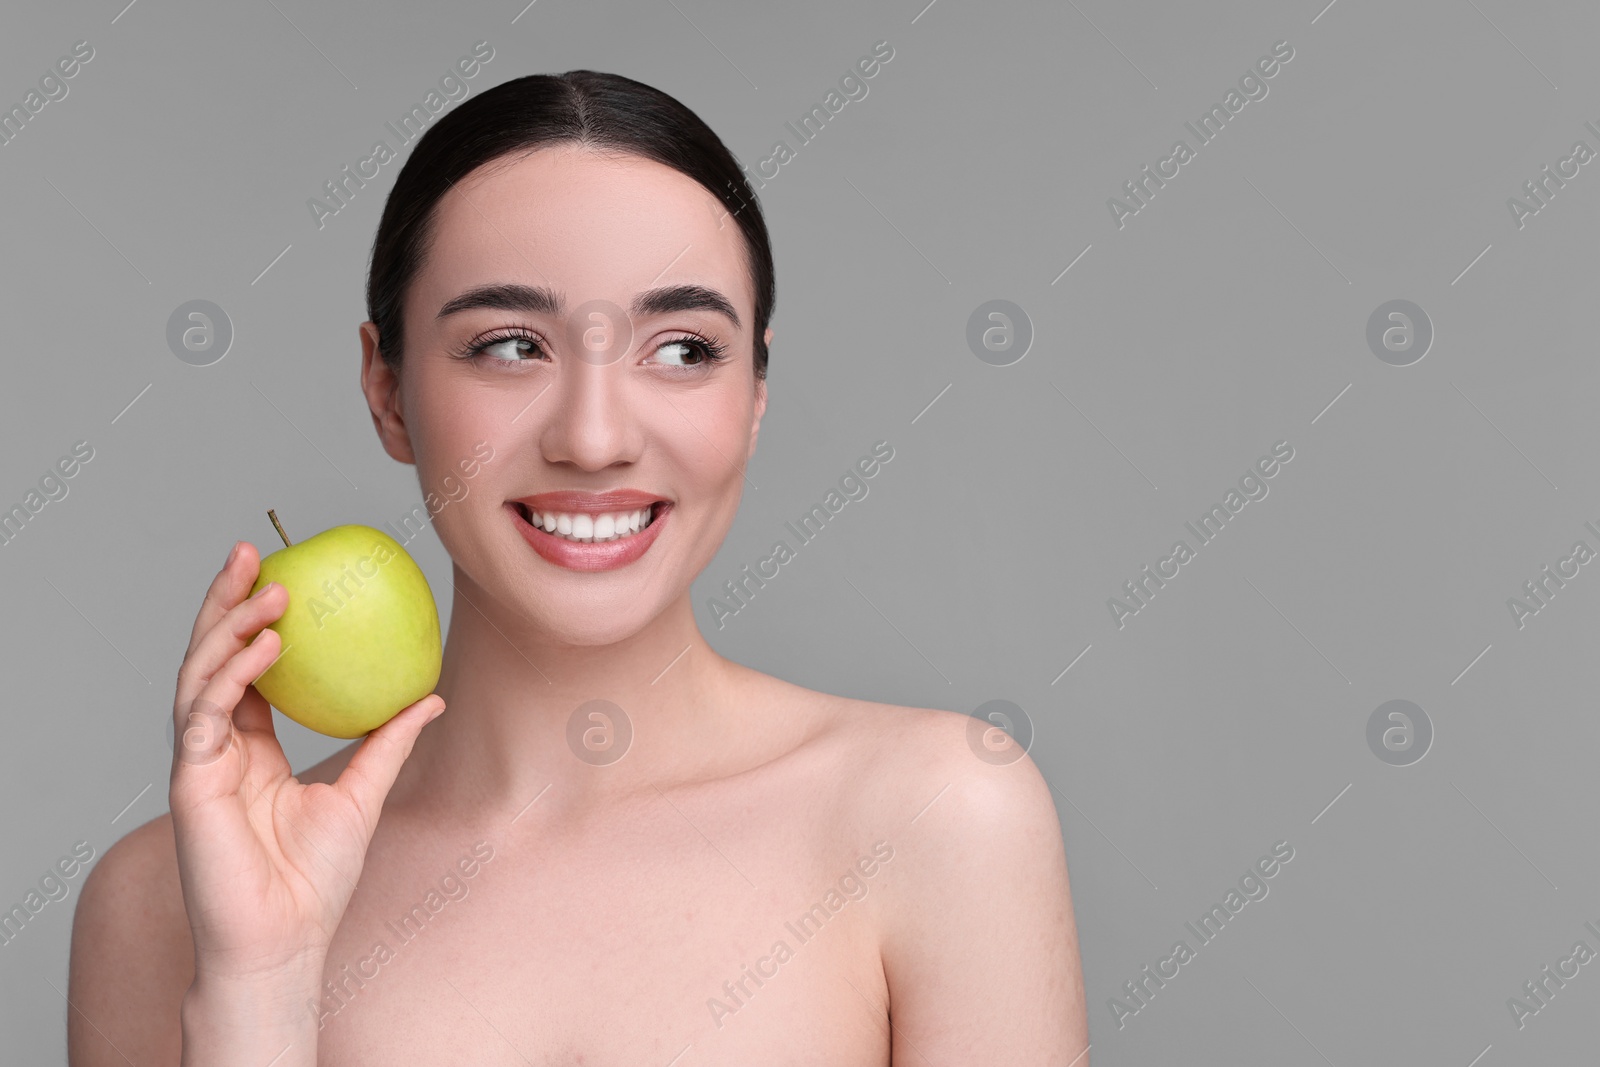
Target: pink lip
576, 502
575, 555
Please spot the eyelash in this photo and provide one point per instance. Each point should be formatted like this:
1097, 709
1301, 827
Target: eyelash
711, 352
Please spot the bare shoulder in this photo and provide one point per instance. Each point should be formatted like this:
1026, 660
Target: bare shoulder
969, 805
973, 901
926, 771
132, 957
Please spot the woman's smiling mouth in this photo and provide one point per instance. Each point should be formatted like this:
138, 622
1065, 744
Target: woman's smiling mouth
590, 531
585, 528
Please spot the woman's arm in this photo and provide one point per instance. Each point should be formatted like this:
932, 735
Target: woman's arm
132, 966
131, 956
980, 948
262, 863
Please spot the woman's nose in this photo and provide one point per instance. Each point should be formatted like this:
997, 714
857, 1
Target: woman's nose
591, 422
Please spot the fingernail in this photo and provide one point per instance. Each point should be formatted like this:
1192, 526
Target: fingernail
437, 712
263, 589
233, 554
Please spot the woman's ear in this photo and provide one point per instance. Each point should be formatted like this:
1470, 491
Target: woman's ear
381, 385
761, 402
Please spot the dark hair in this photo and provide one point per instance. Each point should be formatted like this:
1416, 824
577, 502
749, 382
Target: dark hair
605, 111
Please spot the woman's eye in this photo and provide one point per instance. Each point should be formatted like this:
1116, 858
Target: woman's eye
683, 353
509, 350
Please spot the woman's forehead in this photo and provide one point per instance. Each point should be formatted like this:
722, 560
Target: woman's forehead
573, 218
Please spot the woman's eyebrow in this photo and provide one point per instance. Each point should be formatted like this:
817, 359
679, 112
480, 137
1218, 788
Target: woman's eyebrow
533, 299
684, 298
539, 300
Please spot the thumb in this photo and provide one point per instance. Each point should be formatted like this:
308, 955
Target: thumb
371, 772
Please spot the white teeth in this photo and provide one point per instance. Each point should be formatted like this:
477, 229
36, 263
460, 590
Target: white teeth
587, 528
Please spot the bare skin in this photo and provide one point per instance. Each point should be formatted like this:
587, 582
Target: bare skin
580, 911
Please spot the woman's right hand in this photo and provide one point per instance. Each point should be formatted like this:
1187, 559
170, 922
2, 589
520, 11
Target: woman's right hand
267, 864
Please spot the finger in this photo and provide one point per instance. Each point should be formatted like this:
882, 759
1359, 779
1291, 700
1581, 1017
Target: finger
371, 772
205, 727
229, 587
238, 625
254, 714
253, 724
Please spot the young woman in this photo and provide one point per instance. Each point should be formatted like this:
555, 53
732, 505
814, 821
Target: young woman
616, 846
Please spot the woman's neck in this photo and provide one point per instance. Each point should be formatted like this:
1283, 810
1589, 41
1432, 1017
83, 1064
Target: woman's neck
591, 724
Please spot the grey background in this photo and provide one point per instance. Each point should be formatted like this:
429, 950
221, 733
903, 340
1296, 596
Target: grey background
1224, 317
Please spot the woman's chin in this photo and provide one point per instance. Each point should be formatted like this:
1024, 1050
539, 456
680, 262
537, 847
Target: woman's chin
597, 635
585, 623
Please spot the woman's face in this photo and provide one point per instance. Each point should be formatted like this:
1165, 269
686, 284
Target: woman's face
564, 324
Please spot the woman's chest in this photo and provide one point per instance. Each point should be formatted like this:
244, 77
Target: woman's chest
655, 941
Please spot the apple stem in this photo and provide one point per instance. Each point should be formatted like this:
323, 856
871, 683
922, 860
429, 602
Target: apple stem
273, 515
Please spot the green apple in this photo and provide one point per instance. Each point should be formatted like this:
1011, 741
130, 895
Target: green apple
360, 635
